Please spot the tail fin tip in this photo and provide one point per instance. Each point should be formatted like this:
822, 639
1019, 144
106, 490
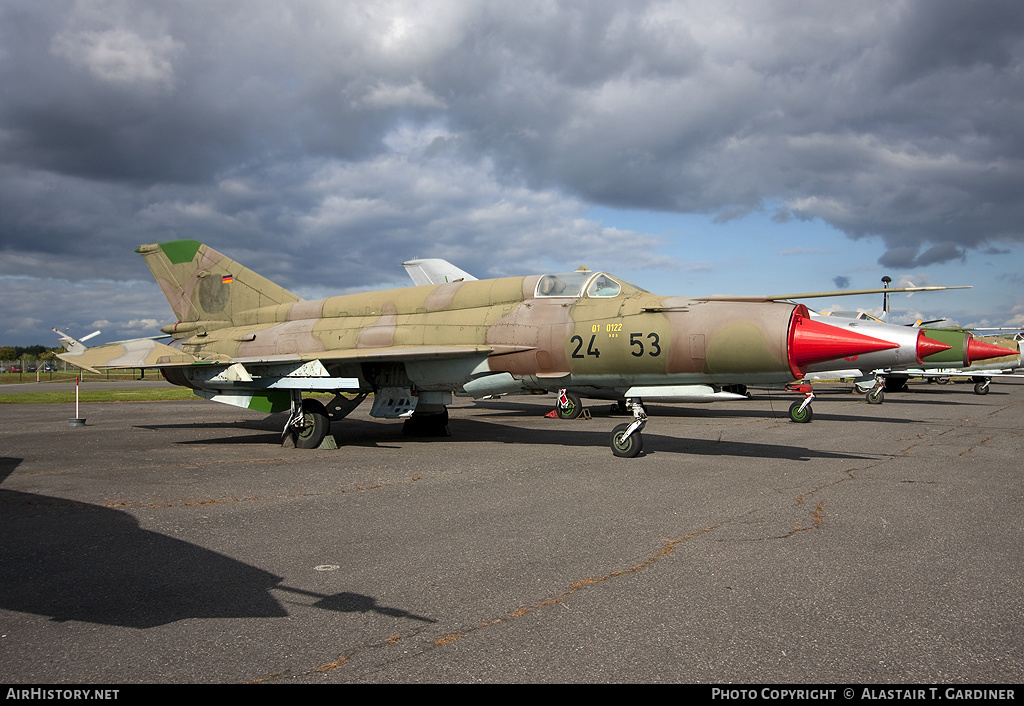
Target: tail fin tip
177, 251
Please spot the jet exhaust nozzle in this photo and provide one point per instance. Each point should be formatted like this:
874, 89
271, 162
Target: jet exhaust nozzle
814, 342
980, 350
929, 346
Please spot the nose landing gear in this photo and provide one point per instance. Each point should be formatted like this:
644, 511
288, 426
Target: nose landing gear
626, 440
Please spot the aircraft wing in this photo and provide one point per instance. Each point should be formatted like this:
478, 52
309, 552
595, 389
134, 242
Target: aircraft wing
149, 353
812, 295
383, 354
438, 271
951, 373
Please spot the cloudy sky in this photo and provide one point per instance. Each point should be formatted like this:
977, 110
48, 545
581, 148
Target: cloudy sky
695, 147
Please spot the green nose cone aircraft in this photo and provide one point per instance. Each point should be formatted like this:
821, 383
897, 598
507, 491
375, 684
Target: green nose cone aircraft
245, 341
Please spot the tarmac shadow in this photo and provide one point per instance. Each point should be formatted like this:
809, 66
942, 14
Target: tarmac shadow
69, 560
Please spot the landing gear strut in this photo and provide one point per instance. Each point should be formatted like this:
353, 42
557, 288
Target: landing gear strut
308, 422
800, 411
877, 393
569, 405
626, 441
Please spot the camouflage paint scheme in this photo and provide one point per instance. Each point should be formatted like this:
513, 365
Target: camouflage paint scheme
963, 351
244, 340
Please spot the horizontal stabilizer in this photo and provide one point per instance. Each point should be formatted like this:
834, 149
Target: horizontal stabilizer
138, 353
73, 344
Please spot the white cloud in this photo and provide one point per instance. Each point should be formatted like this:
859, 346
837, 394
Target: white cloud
411, 95
120, 56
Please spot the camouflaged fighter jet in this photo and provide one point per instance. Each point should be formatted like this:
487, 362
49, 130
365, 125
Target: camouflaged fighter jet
243, 340
910, 347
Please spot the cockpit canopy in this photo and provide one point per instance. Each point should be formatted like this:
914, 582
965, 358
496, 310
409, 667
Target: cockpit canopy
576, 284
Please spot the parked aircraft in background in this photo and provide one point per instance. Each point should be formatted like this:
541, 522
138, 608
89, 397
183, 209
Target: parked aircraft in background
984, 358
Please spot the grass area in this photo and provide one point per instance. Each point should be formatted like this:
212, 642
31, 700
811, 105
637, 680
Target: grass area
89, 396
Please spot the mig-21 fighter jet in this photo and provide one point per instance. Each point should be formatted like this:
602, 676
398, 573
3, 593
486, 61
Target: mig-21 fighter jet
243, 340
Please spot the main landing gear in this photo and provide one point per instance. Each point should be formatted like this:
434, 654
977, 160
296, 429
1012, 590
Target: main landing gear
569, 405
626, 441
308, 423
310, 420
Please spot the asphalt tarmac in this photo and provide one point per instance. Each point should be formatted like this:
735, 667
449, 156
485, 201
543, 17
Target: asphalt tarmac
179, 542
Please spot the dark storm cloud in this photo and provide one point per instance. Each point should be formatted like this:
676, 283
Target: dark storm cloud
899, 120
326, 141
173, 91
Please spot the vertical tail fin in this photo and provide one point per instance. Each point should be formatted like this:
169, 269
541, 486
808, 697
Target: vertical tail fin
204, 286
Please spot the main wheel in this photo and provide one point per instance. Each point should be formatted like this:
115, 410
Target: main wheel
800, 416
572, 409
626, 448
315, 425
875, 396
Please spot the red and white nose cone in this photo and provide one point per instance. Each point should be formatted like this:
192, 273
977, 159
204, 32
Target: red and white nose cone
814, 342
979, 350
928, 346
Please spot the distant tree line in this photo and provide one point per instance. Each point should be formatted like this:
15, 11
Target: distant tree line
12, 353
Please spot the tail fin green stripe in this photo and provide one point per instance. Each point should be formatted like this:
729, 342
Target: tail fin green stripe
179, 251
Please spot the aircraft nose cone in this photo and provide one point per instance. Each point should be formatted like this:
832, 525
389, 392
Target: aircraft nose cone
814, 342
928, 346
979, 350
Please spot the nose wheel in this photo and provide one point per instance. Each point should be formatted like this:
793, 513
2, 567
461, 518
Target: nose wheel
626, 440
800, 411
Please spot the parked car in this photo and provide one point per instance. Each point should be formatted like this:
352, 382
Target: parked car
15, 368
